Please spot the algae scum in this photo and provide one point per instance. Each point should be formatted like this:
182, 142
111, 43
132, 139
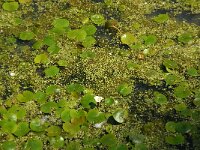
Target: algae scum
100, 74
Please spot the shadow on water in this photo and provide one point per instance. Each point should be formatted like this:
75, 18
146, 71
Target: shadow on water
187, 16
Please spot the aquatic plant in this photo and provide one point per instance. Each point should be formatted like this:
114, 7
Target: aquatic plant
88, 100
22, 129
128, 38
192, 72
89, 41
108, 140
124, 89
78, 34
57, 142
33, 144
53, 131
48, 107
89, 29
51, 71
94, 116
37, 125
160, 98
98, 19
161, 18
8, 145
175, 139
120, 115
185, 38
41, 58
149, 39
26, 35
10, 6
182, 91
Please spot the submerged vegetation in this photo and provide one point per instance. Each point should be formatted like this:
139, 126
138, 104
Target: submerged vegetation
99, 74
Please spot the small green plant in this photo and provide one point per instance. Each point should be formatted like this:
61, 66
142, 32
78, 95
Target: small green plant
88, 100
78, 35
149, 39
128, 38
41, 58
89, 29
170, 126
109, 101
33, 144
8, 145
53, 49
120, 115
171, 79
160, 98
57, 142
25, 96
124, 89
94, 116
170, 64
87, 54
175, 139
26, 35
75, 87
161, 18
37, 125
40, 97
108, 140
98, 19
53, 131
49, 41
10, 6
8, 126
51, 89
89, 41
48, 106
51, 71
65, 115
182, 91
22, 129
185, 38
192, 72
60, 23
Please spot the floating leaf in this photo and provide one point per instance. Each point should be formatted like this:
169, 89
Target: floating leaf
128, 38
53, 49
24, 1
37, 125
26, 35
192, 72
87, 54
150, 39
160, 98
25, 96
119, 115
185, 38
71, 128
89, 41
75, 87
89, 29
170, 64
182, 91
60, 23
175, 139
161, 18
38, 44
53, 131
41, 58
140, 146
98, 19
62, 63
8, 145
47, 107
171, 79
78, 34
180, 107
51, 89
94, 116
88, 100
49, 41
109, 101
183, 127
33, 144
57, 142
51, 71
124, 89
10, 6
40, 97
8, 126
108, 140
170, 126
22, 129
65, 115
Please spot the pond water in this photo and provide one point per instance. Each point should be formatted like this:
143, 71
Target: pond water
100, 74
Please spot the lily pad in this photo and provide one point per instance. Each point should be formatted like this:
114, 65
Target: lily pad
128, 38
170, 126
98, 19
88, 100
182, 91
10, 6
8, 145
161, 18
89, 29
160, 98
33, 144
171, 79
108, 140
192, 72
170, 64
37, 125
124, 89
65, 115
150, 39
94, 116
47, 107
175, 139
8, 126
22, 129
51, 71
53, 131
51, 89
60, 23
40, 97
41, 58
75, 87
26, 35
78, 34
185, 38
120, 115
57, 142
89, 41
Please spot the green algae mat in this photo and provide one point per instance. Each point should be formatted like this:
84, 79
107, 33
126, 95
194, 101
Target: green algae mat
99, 74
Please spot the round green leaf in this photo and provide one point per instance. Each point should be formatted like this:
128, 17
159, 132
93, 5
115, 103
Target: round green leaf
40, 97
170, 126
98, 19
8, 145
60, 23
65, 115
185, 38
94, 116
79, 35
175, 139
124, 89
50, 90
182, 91
89, 29
51, 71
89, 41
128, 38
41, 58
33, 144
8, 126
87, 100
47, 107
119, 115
192, 72
170, 64
26, 35
108, 140
53, 131
57, 142
160, 98
161, 18
171, 79
150, 39
10, 6
37, 125
22, 129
